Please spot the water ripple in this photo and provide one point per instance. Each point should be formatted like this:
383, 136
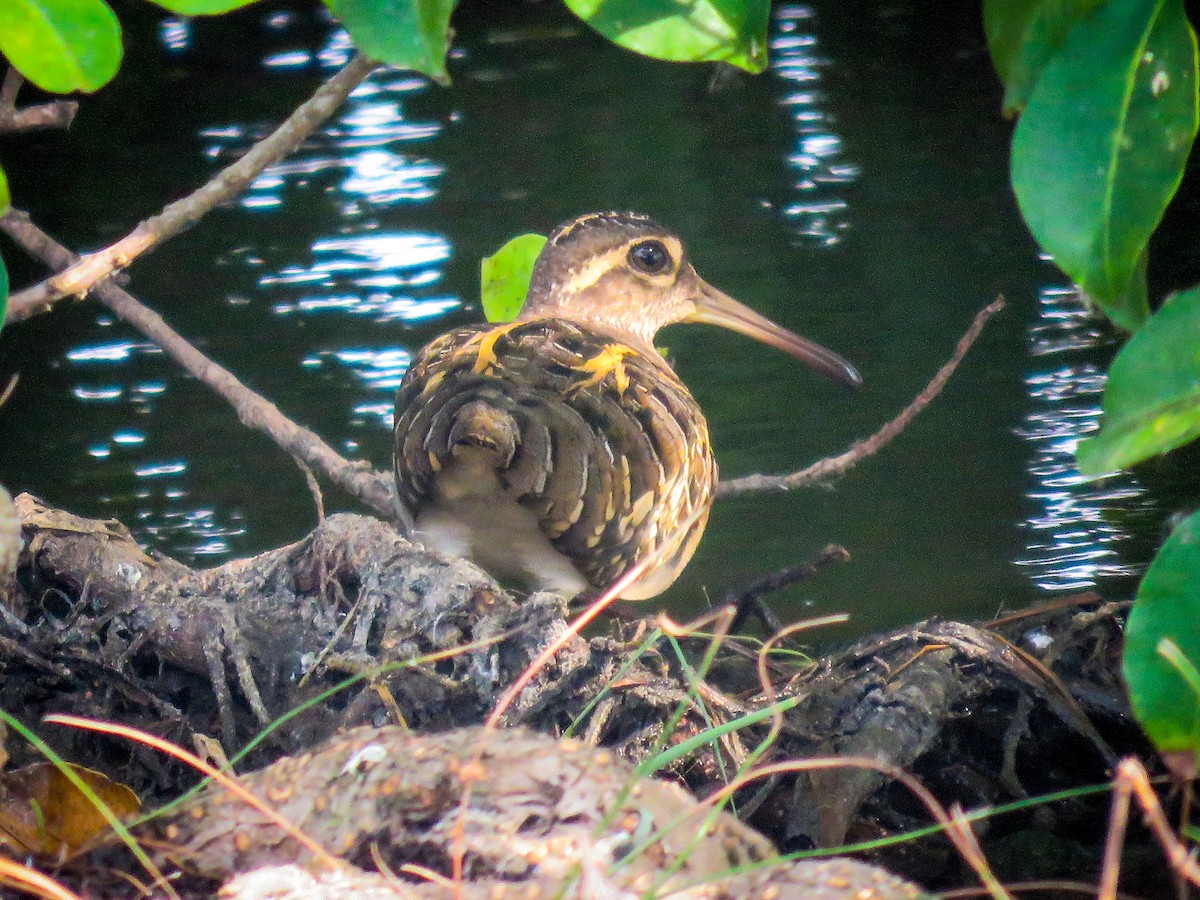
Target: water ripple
366, 275
357, 156
1073, 539
197, 532
110, 352
819, 215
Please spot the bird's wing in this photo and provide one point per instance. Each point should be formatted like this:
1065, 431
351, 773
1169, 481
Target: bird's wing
602, 443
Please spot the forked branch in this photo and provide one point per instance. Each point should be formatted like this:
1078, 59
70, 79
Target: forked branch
372, 488
83, 274
835, 466
55, 114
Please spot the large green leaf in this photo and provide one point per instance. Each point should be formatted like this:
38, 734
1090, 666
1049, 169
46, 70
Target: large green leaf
1101, 146
61, 45
409, 34
1152, 396
691, 31
1023, 36
202, 7
504, 277
1167, 610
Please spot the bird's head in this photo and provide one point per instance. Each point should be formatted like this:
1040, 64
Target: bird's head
626, 273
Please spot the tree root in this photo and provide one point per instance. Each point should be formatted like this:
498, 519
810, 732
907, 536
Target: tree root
356, 626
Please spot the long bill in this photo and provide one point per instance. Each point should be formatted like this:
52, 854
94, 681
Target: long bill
717, 308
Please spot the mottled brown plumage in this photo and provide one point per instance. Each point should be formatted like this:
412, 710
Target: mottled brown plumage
561, 449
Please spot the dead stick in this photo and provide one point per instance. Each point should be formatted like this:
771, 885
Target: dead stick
1179, 856
751, 597
83, 275
9, 90
371, 487
43, 116
835, 466
56, 114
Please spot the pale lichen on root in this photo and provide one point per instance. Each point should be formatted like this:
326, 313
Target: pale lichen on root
10, 539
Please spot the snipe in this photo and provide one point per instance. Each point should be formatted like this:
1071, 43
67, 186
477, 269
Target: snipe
561, 449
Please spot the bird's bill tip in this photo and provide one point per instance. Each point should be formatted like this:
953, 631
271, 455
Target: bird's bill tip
717, 308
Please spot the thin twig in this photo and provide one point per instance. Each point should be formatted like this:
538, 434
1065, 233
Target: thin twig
1045, 886
43, 116
221, 778
82, 276
372, 488
966, 845
57, 114
29, 880
9, 90
1114, 839
313, 488
751, 597
1132, 779
836, 466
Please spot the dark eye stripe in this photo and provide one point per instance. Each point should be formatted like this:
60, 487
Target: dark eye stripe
650, 257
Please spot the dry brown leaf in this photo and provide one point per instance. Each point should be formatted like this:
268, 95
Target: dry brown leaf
43, 813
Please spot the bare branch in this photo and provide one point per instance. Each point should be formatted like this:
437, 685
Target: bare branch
371, 487
83, 275
836, 466
57, 114
11, 87
1132, 779
751, 598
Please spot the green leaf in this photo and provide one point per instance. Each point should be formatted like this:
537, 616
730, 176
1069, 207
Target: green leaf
695, 31
1102, 145
1167, 609
1152, 396
201, 7
5, 197
61, 45
409, 34
1023, 36
505, 275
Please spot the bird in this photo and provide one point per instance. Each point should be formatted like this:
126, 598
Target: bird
561, 449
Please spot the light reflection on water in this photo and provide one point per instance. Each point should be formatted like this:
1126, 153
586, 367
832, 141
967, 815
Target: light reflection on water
375, 160
817, 154
369, 159
1072, 542
201, 531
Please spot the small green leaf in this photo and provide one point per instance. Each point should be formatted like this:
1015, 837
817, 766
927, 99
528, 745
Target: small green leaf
1023, 36
1101, 147
1167, 609
1152, 396
505, 277
201, 7
409, 34
734, 31
61, 45
5, 197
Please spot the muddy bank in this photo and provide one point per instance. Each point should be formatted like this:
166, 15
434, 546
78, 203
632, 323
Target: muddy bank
354, 627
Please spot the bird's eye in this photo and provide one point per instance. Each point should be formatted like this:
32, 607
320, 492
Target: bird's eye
650, 257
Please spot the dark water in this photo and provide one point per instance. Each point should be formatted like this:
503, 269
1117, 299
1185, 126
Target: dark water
857, 194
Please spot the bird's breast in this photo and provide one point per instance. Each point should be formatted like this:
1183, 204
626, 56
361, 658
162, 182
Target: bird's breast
598, 440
